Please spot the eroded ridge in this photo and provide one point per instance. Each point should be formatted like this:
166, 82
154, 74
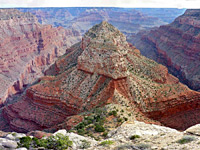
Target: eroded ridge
83, 79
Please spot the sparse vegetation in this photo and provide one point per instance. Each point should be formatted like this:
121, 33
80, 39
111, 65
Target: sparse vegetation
125, 119
105, 133
14, 134
99, 128
58, 142
93, 122
186, 139
25, 142
98, 122
133, 137
119, 119
114, 113
107, 143
81, 131
85, 144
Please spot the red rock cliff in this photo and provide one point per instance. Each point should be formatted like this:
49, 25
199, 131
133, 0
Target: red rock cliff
27, 48
176, 46
78, 84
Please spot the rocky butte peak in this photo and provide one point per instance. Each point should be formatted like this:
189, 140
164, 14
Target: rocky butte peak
104, 50
85, 78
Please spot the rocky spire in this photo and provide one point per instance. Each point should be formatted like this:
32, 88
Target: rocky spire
104, 50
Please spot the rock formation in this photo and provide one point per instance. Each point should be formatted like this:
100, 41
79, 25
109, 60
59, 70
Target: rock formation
103, 69
133, 19
82, 19
120, 138
176, 46
26, 48
165, 14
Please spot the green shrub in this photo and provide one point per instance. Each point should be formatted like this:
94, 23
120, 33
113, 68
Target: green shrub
110, 113
126, 119
80, 126
14, 134
107, 142
97, 118
133, 137
39, 142
58, 142
114, 113
186, 139
119, 119
99, 128
105, 134
81, 131
89, 121
25, 142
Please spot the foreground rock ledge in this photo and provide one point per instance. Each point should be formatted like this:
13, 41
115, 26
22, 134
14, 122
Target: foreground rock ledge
149, 136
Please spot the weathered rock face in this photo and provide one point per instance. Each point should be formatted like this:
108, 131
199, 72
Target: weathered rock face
163, 138
26, 48
176, 46
74, 87
104, 52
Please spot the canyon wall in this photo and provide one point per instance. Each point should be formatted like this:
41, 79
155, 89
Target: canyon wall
27, 48
127, 20
176, 46
87, 77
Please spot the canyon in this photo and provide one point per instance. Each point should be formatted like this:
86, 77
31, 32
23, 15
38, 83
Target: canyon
127, 20
27, 48
176, 46
55, 77
101, 69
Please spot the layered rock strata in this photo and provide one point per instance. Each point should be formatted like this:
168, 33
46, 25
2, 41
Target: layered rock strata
176, 46
89, 76
26, 48
82, 19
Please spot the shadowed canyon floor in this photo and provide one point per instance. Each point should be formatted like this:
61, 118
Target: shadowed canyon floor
103, 68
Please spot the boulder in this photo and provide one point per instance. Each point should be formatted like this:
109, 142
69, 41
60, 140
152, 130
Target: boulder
194, 130
8, 143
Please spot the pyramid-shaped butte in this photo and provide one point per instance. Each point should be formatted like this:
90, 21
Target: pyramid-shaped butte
104, 50
103, 69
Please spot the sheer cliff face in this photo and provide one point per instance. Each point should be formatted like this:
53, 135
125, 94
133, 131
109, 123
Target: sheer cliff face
176, 46
89, 76
26, 48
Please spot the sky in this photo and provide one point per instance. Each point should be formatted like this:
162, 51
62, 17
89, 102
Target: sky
102, 3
